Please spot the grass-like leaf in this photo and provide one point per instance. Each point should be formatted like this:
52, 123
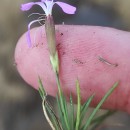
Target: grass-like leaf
54, 119
78, 105
60, 113
71, 111
63, 103
88, 122
41, 89
63, 111
84, 108
67, 119
48, 110
98, 120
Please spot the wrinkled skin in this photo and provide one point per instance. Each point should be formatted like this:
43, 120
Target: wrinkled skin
79, 50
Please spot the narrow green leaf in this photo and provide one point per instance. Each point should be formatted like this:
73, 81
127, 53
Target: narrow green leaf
102, 117
78, 105
65, 106
84, 108
40, 92
41, 88
71, 117
62, 102
99, 105
98, 120
86, 105
53, 117
61, 115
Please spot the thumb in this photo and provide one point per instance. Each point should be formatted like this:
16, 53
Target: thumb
97, 56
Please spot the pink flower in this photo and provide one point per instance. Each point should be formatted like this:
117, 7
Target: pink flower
47, 6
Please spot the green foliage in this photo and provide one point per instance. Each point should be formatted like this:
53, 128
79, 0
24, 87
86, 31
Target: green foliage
97, 121
69, 117
89, 120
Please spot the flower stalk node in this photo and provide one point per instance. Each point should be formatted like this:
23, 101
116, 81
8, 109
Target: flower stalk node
55, 62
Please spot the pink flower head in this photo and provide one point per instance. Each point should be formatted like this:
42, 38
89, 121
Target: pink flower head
47, 6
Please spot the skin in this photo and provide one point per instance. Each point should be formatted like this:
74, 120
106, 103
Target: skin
79, 50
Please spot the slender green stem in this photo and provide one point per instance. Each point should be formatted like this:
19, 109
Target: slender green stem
61, 100
58, 84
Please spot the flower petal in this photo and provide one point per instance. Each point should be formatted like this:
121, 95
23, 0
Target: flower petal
67, 8
28, 6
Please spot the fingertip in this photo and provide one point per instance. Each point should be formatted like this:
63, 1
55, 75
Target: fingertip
79, 48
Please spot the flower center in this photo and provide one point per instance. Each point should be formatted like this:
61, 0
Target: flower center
49, 5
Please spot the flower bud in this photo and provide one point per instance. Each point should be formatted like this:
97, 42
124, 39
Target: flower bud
50, 34
51, 40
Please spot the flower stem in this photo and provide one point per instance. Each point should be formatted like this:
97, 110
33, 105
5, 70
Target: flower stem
51, 40
61, 101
